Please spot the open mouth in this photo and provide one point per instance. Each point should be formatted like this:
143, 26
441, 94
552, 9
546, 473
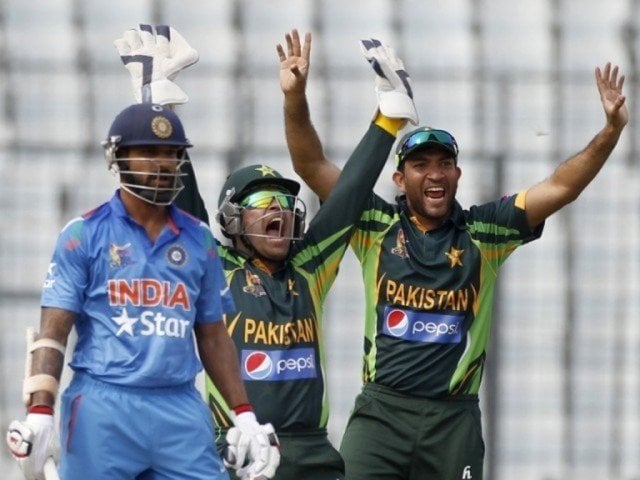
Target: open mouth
435, 193
274, 227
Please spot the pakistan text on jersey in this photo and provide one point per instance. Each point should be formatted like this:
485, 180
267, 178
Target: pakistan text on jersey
290, 333
148, 292
421, 298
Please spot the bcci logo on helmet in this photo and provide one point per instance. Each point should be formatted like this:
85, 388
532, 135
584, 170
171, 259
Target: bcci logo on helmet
397, 323
258, 365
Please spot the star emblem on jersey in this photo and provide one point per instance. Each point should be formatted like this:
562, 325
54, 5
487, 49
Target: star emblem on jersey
125, 322
266, 171
455, 257
52, 265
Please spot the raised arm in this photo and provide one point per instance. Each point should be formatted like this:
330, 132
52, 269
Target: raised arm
305, 147
572, 176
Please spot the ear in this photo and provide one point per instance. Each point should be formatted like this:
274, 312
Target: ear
398, 179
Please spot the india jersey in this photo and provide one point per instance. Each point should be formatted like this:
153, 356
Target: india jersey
278, 325
136, 301
429, 295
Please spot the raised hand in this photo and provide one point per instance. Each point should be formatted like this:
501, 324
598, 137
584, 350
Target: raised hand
154, 56
613, 100
294, 65
393, 84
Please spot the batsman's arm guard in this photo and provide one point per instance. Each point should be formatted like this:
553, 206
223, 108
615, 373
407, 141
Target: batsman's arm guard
42, 381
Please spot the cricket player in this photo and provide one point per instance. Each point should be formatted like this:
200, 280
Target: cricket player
429, 269
138, 279
279, 276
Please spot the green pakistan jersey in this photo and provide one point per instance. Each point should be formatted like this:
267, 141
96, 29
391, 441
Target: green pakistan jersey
429, 294
277, 327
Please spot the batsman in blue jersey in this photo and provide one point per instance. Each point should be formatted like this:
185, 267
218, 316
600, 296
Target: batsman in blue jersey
138, 278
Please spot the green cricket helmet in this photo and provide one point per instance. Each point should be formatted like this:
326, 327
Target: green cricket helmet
241, 186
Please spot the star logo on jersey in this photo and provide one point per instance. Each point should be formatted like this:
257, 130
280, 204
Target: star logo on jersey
455, 256
292, 285
266, 171
52, 265
125, 322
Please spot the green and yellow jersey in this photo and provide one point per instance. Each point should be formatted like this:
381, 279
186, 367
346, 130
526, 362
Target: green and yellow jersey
429, 295
277, 328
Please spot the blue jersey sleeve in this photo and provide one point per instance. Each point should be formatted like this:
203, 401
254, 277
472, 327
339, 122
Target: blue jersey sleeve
68, 273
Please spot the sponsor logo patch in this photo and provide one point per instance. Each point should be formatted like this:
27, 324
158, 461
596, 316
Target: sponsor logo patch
279, 365
424, 327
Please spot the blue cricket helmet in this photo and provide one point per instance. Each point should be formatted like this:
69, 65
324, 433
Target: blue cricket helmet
147, 124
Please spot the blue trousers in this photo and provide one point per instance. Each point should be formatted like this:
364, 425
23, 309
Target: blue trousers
114, 432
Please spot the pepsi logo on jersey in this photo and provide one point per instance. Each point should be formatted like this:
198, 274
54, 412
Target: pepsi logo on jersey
278, 365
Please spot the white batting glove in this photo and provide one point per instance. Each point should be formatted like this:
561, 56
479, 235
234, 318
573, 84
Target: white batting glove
252, 449
393, 84
31, 442
154, 56
264, 468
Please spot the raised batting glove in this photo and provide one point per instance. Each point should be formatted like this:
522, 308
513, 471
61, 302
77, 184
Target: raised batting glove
31, 442
393, 84
154, 57
252, 449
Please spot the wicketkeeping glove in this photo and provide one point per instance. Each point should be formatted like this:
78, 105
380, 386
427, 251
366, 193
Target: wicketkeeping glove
31, 442
393, 84
252, 449
154, 56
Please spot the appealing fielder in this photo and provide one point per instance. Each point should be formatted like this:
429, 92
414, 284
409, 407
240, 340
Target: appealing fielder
279, 276
429, 270
138, 279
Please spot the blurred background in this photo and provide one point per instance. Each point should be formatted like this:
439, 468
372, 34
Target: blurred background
513, 81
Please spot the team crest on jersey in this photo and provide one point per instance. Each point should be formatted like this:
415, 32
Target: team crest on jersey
253, 285
455, 256
400, 249
177, 255
120, 255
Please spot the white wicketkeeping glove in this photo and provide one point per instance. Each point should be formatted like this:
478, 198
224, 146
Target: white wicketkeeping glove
393, 84
252, 449
31, 442
154, 56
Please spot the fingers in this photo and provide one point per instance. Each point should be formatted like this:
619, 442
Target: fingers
281, 54
294, 47
295, 37
306, 48
132, 37
610, 77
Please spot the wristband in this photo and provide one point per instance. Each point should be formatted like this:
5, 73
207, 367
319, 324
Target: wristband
43, 409
243, 407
